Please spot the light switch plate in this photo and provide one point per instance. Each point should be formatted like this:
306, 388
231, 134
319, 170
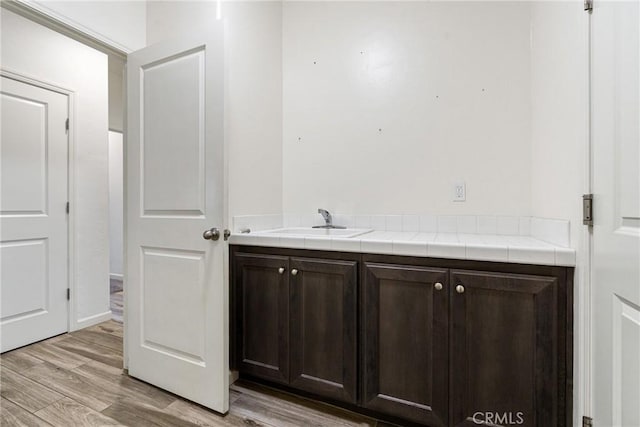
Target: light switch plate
459, 191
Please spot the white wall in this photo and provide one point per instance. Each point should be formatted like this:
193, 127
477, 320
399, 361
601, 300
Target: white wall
559, 123
558, 112
253, 92
35, 51
120, 22
116, 210
386, 104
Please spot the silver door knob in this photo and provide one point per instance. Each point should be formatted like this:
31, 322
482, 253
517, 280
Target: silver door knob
294, 272
213, 234
438, 286
281, 270
460, 289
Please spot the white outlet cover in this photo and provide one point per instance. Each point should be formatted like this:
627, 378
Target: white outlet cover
459, 191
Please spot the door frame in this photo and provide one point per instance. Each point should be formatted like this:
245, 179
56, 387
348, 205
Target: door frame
72, 322
583, 305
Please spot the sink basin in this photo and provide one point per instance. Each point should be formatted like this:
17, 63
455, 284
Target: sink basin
319, 232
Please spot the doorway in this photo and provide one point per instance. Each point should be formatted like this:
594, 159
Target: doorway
116, 177
116, 186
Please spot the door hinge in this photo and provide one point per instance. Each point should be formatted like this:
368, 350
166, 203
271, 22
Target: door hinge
587, 421
66, 125
68, 294
587, 209
67, 208
588, 5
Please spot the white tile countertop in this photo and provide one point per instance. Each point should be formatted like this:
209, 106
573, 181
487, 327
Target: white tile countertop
479, 247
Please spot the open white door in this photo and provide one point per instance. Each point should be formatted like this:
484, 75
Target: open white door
33, 219
615, 71
176, 297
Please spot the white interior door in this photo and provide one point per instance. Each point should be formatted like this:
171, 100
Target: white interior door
176, 311
615, 41
33, 219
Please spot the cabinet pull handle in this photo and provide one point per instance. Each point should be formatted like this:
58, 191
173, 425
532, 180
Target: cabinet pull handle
294, 272
281, 270
438, 286
460, 289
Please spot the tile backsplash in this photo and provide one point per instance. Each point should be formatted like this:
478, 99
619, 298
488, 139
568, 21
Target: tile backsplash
554, 231
257, 222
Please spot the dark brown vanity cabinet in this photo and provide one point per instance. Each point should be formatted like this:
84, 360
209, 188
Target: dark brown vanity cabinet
421, 340
296, 322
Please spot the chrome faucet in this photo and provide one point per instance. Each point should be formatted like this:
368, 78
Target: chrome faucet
328, 220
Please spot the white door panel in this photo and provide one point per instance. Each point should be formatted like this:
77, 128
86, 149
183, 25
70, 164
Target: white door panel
615, 69
24, 158
181, 193
33, 221
177, 299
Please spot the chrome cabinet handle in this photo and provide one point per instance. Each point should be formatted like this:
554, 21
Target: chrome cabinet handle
460, 289
281, 270
438, 286
212, 234
294, 272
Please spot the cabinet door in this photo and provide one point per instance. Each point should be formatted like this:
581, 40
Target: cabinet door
504, 349
405, 342
262, 316
324, 327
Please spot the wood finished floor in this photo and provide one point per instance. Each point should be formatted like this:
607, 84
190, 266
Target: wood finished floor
116, 301
76, 379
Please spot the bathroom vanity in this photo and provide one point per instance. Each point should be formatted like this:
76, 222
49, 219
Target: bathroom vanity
415, 339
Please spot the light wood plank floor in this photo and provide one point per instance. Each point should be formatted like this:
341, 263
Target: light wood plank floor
76, 379
116, 301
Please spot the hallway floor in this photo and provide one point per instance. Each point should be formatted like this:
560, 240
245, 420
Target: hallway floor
76, 379
116, 300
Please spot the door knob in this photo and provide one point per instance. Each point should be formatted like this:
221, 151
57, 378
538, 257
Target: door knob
213, 234
294, 272
226, 233
460, 289
438, 286
281, 270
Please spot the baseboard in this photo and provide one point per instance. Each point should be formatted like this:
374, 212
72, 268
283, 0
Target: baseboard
116, 276
91, 320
